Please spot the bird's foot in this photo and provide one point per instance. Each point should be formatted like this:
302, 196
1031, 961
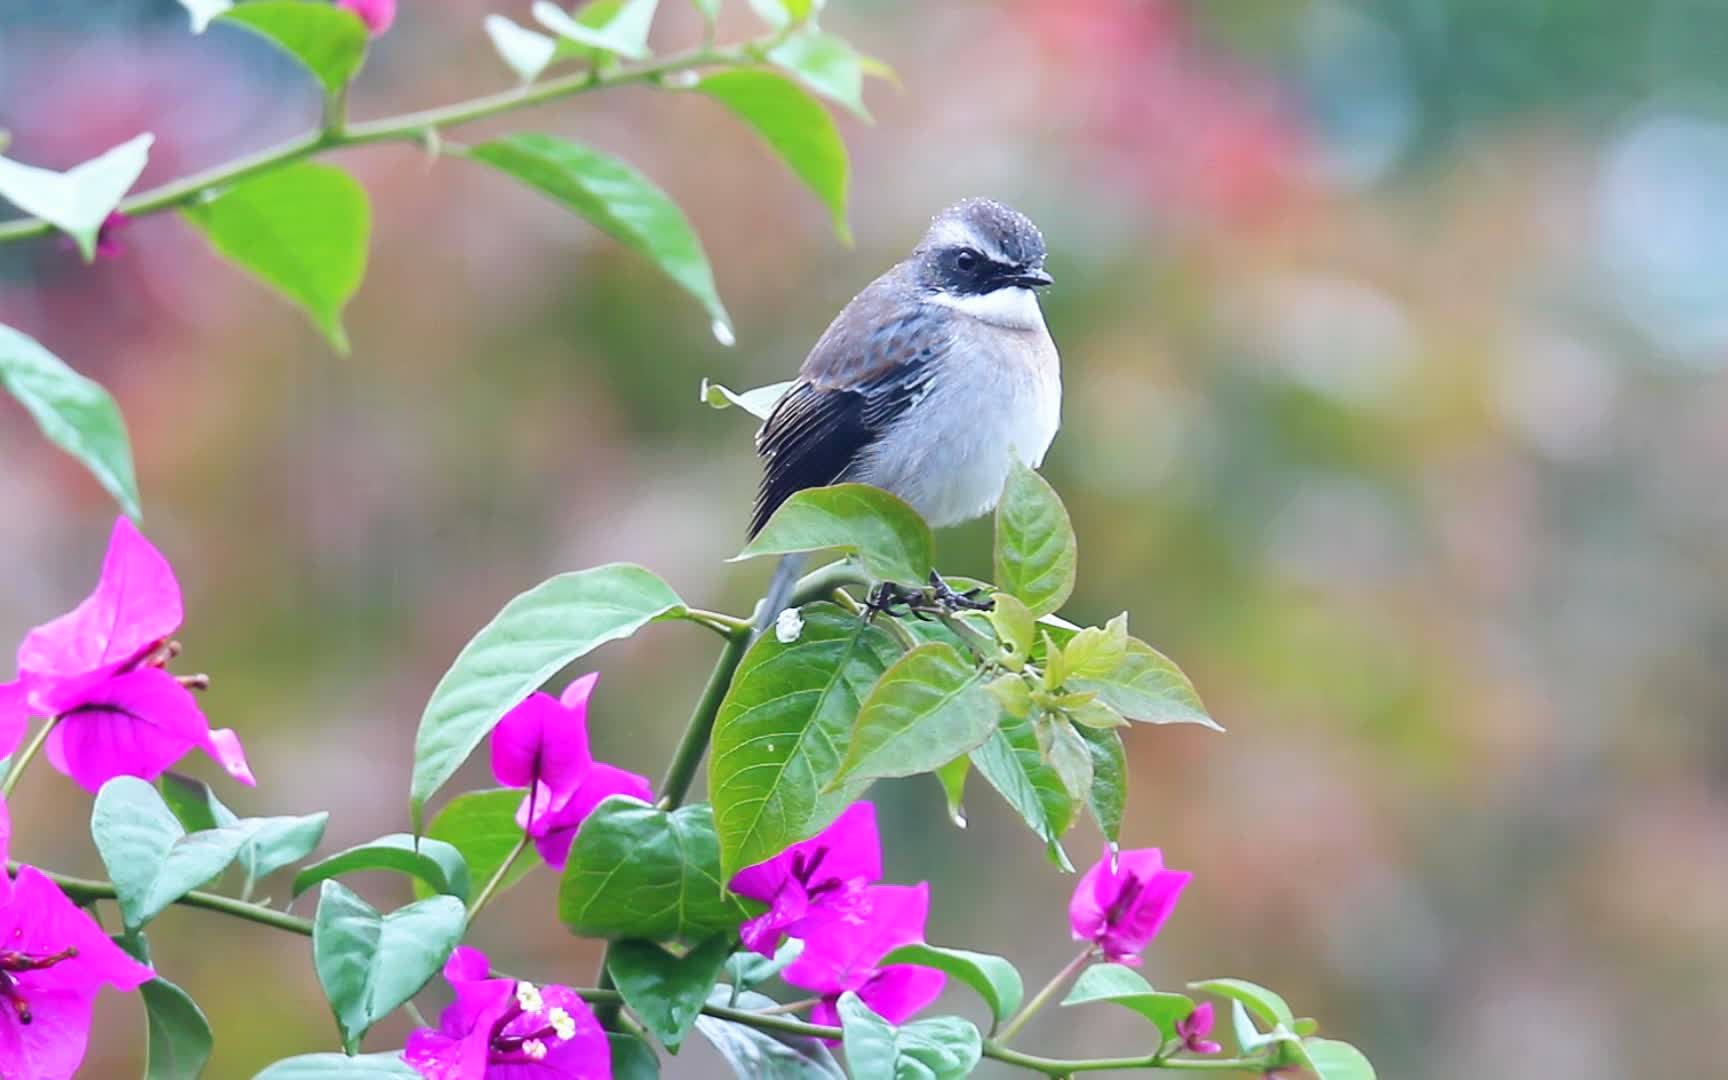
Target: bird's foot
970, 600
888, 596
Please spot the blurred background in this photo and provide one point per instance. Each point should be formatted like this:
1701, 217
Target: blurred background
1393, 337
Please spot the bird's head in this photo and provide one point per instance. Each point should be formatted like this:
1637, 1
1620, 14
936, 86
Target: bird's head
983, 258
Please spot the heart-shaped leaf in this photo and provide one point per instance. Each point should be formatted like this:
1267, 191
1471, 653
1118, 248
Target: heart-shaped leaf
1010, 761
995, 979
666, 991
941, 1048
889, 537
617, 200
385, 1066
481, 825
434, 862
368, 963
79, 200
1125, 987
1334, 1060
177, 1036
151, 858
782, 730
619, 27
1266, 1005
537, 633
1035, 546
758, 402
525, 52
75, 414
754, 1054
301, 229
636, 871
927, 709
329, 41
795, 126
746, 968
275, 841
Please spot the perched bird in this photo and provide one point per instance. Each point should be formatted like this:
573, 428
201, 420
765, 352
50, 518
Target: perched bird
931, 381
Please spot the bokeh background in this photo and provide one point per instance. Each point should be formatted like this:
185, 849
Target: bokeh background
1393, 337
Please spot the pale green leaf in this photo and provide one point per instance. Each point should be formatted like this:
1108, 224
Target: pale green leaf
624, 33
1128, 988
329, 41
74, 413
151, 858
434, 862
177, 1036
1035, 547
524, 51
665, 991
754, 1054
481, 826
996, 980
889, 537
758, 402
927, 709
639, 872
387, 1065
79, 200
368, 963
795, 126
827, 64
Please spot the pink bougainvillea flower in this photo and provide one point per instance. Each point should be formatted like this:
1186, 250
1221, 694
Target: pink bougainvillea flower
5, 846
502, 1029
1193, 1029
108, 245
1121, 907
542, 745
99, 668
822, 876
54, 960
378, 15
844, 951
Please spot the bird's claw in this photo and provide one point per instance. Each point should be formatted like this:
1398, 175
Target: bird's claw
970, 600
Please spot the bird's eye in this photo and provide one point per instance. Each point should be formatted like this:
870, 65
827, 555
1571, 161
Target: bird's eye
966, 261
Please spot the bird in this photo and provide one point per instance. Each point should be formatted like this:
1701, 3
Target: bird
930, 382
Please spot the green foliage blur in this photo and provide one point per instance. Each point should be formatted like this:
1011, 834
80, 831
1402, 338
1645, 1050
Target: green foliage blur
1393, 344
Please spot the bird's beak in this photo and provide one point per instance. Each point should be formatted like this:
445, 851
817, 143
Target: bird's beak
1033, 279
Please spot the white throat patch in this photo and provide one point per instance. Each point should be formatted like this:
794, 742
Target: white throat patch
1015, 307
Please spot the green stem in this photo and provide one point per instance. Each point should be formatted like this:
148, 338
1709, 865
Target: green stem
23, 759
407, 127
687, 759
84, 891
497, 878
982, 647
725, 625
1042, 997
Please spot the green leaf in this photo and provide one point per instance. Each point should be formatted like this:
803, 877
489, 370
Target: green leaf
781, 732
617, 200
1109, 794
636, 871
928, 708
524, 51
1270, 1008
666, 991
941, 1048
1250, 1039
1035, 547
747, 969
760, 1055
826, 64
152, 860
481, 826
1069, 756
1015, 628
995, 979
329, 41
1125, 987
75, 414
525, 644
435, 862
632, 1059
1009, 759
952, 777
79, 200
783, 13
383, 1066
368, 963
274, 843
1144, 685
177, 1039
619, 28
202, 11
795, 126
301, 229
1334, 1060
758, 402
889, 537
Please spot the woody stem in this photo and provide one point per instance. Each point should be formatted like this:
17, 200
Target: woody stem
1042, 997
